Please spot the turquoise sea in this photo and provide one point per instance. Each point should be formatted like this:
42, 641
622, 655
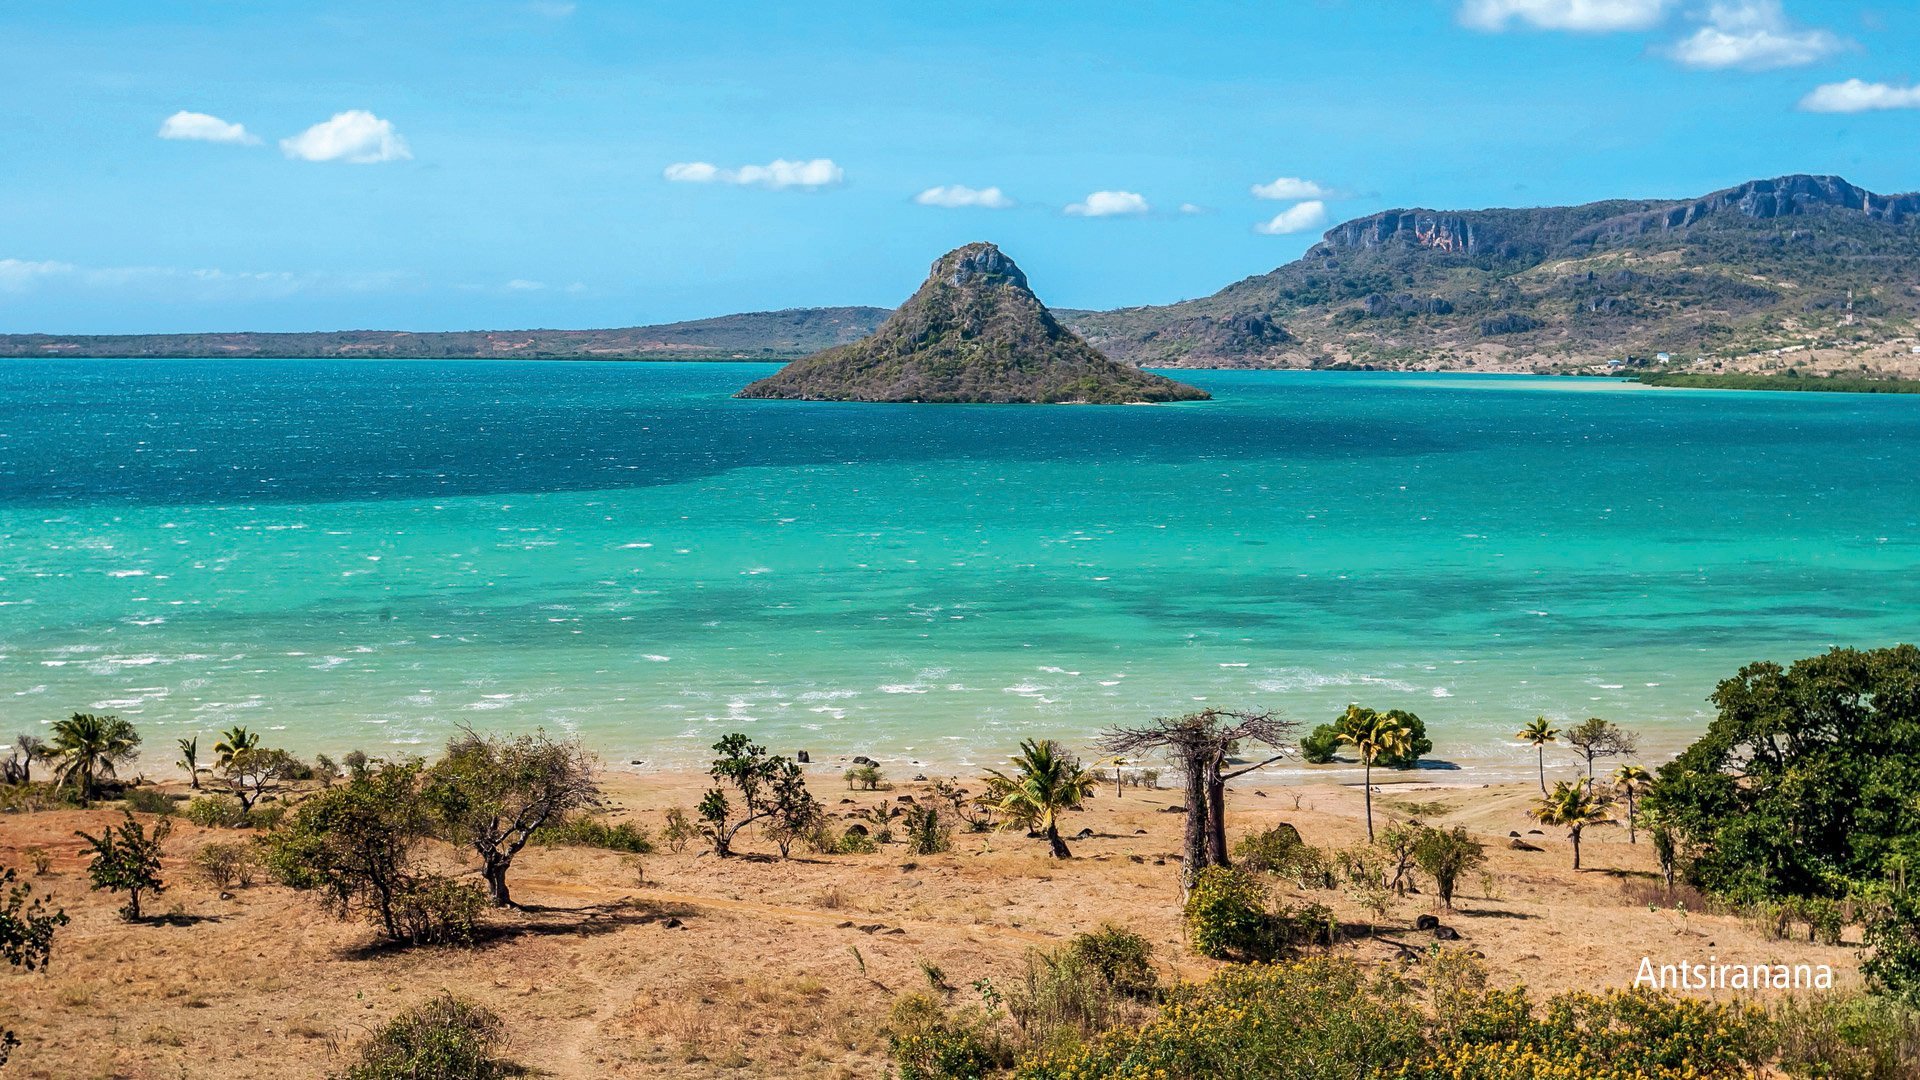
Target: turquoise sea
366, 553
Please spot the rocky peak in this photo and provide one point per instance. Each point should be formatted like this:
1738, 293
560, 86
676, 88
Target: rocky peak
972, 332
977, 262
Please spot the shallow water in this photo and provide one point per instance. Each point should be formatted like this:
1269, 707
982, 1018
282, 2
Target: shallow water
365, 553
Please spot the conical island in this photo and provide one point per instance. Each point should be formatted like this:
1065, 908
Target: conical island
973, 333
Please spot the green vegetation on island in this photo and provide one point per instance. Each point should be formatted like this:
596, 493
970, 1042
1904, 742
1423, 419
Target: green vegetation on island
1839, 384
972, 333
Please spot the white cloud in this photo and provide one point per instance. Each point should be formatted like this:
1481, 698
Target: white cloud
1858, 95
193, 283
991, 198
1290, 187
1297, 218
200, 127
1583, 15
1192, 208
523, 285
356, 136
1110, 204
17, 275
781, 173
1755, 35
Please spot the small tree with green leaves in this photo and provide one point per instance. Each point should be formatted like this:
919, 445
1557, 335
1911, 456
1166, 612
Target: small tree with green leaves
128, 860
1632, 781
255, 772
26, 935
1595, 738
354, 844
492, 794
1446, 856
769, 786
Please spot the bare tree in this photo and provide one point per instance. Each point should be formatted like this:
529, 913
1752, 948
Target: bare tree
494, 793
1200, 745
1596, 738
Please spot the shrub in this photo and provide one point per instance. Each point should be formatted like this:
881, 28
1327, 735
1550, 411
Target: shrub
1893, 937
1269, 851
128, 860
864, 777
581, 831
1320, 745
1317, 1019
928, 1043
435, 910
1123, 958
1445, 855
447, 1038
679, 829
1846, 1037
148, 801
216, 812
926, 833
226, 863
1227, 917
856, 842
41, 859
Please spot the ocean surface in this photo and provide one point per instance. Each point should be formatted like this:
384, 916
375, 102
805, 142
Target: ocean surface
365, 554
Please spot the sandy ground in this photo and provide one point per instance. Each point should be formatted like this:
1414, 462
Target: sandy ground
683, 964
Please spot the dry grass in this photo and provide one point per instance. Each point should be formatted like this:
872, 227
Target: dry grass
777, 969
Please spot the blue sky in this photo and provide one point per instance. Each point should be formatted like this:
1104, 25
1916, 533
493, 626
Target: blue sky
483, 164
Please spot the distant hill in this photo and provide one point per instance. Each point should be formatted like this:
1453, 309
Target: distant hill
1798, 261
973, 332
759, 335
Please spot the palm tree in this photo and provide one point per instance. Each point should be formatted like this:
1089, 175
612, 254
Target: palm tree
86, 746
190, 760
233, 741
1572, 807
1540, 732
1373, 734
1631, 781
1045, 781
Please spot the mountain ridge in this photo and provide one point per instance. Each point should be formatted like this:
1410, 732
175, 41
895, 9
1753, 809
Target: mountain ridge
1791, 262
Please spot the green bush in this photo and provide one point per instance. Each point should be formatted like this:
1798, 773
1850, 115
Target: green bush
1317, 1019
146, 800
1324, 741
582, 831
926, 833
1270, 851
1893, 941
216, 812
1846, 1037
865, 777
447, 1038
226, 863
1320, 746
435, 910
856, 843
1227, 915
1121, 957
929, 1043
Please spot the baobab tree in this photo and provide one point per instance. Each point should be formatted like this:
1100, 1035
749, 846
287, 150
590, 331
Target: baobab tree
1199, 744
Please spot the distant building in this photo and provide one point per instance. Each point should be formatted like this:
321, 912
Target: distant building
1662, 357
